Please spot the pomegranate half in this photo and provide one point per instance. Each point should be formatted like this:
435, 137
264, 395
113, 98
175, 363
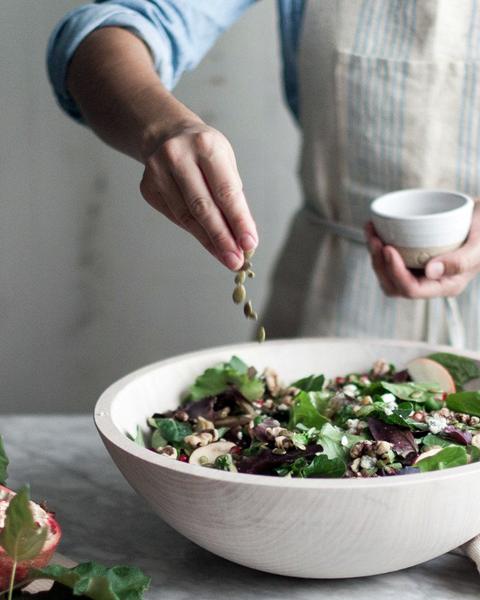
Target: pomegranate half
43, 519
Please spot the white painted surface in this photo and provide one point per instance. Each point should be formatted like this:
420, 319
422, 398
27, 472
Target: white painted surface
92, 283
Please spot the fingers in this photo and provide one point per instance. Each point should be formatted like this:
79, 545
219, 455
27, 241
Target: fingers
202, 209
375, 246
223, 180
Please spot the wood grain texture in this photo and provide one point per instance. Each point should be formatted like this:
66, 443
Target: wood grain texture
304, 528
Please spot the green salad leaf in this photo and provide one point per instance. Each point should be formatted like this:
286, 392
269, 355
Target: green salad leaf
336, 442
170, 431
451, 456
413, 392
462, 369
21, 538
431, 440
219, 378
306, 409
313, 383
323, 466
3, 463
138, 437
465, 402
98, 582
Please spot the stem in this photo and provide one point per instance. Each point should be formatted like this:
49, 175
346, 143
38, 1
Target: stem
12, 580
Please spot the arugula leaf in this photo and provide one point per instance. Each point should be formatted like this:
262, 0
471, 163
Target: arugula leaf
305, 411
465, 402
138, 437
98, 582
219, 378
313, 383
3, 463
414, 392
451, 456
435, 440
21, 538
461, 368
170, 430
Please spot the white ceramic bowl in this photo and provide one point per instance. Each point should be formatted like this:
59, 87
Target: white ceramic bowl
422, 224
320, 528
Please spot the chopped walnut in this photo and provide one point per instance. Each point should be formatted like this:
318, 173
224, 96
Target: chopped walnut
380, 367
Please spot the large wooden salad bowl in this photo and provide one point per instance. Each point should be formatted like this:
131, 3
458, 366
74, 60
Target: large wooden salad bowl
320, 528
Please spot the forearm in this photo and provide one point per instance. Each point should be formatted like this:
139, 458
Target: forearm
111, 77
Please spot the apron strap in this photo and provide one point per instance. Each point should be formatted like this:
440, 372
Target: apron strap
455, 326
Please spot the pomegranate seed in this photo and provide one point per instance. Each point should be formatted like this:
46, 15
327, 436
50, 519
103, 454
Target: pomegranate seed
235, 450
183, 458
260, 402
340, 380
444, 396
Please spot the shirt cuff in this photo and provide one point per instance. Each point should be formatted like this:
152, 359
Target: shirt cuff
78, 24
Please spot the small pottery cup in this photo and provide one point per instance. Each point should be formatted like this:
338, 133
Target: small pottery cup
422, 223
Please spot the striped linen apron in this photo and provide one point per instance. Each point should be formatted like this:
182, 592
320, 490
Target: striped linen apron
389, 99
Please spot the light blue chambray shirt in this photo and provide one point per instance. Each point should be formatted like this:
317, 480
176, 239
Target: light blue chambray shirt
177, 32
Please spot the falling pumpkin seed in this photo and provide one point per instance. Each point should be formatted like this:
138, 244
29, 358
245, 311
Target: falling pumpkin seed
240, 277
247, 265
251, 273
248, 309
261, 334
253, 316
249, 253
239, 293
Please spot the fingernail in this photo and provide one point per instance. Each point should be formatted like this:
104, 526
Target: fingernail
231, 260
435, 270
247, 242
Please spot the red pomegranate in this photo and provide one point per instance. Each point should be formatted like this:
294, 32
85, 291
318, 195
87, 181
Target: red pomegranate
43, 518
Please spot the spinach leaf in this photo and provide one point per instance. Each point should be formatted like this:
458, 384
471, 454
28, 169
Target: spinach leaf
138, 437
414, 392
158, 441
451, 456
98, 582
314, 383
465, 402
21, 538
171, 431
435, 440
322, 466
461, 368
336, 442
305, 411
219, 378
3, 463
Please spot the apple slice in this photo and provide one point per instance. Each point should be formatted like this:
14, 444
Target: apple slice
426, 370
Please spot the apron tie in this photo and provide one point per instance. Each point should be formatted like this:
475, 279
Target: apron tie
455, 326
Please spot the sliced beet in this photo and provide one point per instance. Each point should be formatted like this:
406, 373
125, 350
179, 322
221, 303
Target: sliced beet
402, 439
266, 461
457, 435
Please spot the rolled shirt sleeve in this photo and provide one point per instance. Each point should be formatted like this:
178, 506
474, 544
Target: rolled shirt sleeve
178, 34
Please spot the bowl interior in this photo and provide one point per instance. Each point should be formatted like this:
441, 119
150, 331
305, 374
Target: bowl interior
159, 387
418, 203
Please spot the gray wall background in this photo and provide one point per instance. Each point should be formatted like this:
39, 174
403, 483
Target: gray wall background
93, 283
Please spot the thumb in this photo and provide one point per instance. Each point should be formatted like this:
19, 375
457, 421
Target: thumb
460, 261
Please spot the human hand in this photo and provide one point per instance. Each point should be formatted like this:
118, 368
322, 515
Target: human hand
192, 178
446, 275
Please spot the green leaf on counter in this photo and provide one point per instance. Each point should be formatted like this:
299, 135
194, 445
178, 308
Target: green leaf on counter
21, 538
465, 402
461, 368
98, 582
313, 383
451, 456
3, 463
305, 410
217, 379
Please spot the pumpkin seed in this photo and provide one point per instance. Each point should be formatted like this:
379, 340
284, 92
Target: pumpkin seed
240, 277
239, 293
251, 273
247, 265
253, 316
261, 334
248, 309
249, 253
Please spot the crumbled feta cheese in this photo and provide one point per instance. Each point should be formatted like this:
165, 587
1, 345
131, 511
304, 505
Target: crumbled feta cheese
368, 462
391, 403
436, 423
351, 390
344, 440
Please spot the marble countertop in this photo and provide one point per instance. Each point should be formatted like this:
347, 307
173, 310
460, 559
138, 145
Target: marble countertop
103, 519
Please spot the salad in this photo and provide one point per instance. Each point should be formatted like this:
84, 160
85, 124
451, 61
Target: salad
379, 423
